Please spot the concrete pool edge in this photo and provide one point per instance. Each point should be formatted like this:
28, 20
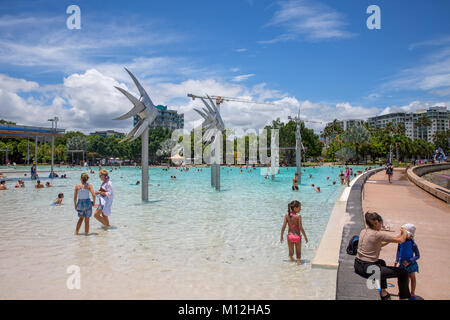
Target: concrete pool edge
350, 286
327, 254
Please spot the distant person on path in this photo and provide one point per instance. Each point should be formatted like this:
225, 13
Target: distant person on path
407, 256
83, 203
105, 195
389, 172
295, 227
294, 182
371, 239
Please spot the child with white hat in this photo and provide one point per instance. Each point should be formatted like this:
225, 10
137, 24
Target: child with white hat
407, 256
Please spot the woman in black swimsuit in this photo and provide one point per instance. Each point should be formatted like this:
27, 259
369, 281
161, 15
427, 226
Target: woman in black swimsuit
389, 172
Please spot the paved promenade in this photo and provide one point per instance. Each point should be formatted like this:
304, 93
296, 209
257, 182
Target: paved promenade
403, 202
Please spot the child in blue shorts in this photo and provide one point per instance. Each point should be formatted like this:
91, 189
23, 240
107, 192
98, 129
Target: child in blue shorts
407, 256
82, 202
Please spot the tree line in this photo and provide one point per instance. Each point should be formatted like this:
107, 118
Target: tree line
361, 142
356, 144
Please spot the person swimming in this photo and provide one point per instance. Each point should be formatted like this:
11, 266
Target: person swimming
48, 185
20, 184
39, 185
3, 185
59, 199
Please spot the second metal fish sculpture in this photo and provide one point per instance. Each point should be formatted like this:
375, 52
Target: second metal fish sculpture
212, 122
143, 108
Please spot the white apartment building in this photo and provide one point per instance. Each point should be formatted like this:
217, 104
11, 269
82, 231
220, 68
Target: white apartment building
439, 116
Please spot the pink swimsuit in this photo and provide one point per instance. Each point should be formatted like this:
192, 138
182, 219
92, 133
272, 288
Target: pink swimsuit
294, 237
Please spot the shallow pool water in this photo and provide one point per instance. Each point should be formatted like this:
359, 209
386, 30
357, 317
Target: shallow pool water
188, 242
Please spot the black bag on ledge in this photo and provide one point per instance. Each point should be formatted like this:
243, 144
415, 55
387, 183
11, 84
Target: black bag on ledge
352, 247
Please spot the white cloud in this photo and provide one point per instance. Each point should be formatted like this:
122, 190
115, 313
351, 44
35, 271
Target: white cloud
414, 106
45, 42
241, 50
432, 74
16, 85
305, 19
242, 77
84, 102
88, 101
434, 42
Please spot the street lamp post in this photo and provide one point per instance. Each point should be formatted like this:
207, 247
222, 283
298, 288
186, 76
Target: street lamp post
55, 122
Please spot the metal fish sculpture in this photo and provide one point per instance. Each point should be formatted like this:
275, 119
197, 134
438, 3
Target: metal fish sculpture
143, 108
212, 122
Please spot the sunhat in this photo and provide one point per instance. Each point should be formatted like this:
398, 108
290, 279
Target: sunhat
410, 228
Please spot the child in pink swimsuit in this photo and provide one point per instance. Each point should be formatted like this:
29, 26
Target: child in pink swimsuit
295, 230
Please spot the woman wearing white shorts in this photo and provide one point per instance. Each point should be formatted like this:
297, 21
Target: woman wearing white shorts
105, 195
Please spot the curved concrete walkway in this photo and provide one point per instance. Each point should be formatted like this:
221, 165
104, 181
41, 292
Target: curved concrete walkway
403, 202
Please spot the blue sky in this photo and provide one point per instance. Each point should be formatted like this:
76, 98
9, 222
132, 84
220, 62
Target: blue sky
316, 55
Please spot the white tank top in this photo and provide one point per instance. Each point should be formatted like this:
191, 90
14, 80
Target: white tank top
83, 194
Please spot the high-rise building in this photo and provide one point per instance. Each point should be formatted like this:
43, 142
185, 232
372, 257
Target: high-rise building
169, 119
397, 117
439, 116
350, 123
440, 121
107, 133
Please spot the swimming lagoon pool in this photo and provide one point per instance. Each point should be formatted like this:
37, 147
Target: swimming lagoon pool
188, 242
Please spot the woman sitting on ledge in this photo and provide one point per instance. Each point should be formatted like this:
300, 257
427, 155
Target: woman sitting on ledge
370, 242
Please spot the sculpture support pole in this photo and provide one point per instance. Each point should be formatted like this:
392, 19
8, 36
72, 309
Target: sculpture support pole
35, 152
144, 164
298, 154
213, 169
53, 152
218, 178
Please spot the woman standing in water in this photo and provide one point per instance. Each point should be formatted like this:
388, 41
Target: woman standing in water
295, 227
105, 195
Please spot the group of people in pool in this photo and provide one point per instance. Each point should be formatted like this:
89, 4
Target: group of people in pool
295, 186
21, 184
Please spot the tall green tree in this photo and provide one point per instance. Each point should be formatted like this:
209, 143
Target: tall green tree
357, 136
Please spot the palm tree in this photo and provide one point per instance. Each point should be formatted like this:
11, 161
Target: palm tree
422, 122
358, 136
345, 154
167, 147
332, 130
